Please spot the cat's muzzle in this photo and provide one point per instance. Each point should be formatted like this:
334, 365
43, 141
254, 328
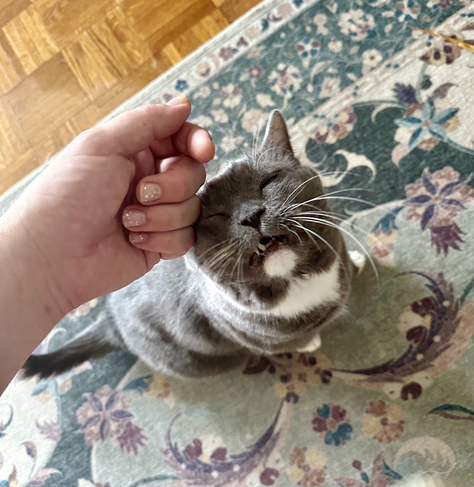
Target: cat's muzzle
265, 246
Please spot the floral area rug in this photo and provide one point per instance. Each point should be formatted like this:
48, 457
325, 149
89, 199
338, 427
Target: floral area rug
372, 105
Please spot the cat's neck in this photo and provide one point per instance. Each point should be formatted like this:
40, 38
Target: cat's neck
302, 296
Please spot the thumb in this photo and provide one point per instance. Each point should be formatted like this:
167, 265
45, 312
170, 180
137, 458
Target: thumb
134, 131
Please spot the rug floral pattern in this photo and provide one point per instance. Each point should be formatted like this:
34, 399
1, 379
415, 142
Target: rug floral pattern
375, 106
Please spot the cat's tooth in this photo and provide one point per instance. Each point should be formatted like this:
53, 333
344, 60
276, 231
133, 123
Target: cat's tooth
262, 247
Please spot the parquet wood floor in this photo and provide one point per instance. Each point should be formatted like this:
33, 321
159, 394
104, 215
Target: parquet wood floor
65, 64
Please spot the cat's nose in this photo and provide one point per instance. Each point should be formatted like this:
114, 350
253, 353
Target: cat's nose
252, 219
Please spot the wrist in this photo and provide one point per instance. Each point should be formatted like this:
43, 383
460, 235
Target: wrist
29, 269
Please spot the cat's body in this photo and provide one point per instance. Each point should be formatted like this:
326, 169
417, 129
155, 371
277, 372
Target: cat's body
256, 282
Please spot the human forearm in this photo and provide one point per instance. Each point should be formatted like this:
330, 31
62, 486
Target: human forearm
29, 307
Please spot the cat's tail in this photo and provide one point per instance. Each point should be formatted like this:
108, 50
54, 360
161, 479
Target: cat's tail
97, 340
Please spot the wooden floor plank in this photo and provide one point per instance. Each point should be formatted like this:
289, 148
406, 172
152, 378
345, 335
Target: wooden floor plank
170, 27
187, 43
15, 172
233, 9
139, 10
105, 54
9, 11
93, 70
13, 142
30, 40
11, 70
172, 53
214, 23
128, 86
57, 97
201, 33
39, 35
66, 19
22, 45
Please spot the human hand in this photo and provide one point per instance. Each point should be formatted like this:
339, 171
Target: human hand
71, 217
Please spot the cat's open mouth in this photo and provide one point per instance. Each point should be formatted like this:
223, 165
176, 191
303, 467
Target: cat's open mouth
265, 246
268, 243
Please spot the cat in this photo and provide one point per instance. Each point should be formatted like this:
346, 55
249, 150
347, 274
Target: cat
268, 271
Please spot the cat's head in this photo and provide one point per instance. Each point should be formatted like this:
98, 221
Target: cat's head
259, 221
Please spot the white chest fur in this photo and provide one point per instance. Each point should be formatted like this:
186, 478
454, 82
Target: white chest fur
303, 294
306, 294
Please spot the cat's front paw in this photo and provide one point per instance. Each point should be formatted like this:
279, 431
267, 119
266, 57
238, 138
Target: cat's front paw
312, 346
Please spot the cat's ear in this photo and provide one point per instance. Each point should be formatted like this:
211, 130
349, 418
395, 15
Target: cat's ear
276, 133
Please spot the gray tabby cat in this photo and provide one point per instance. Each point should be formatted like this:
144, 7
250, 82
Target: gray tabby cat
266, 274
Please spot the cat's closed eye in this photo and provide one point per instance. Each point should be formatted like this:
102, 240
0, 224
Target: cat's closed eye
270, 179
222, 215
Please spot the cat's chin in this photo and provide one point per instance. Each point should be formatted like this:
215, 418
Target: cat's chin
274, 256
280, 263
265, 248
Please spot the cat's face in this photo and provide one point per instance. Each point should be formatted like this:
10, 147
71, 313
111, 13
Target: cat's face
257, 224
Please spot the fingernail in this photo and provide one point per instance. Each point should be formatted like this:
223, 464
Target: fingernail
133, 218
149, 192
210, 136
138, 237
179, 100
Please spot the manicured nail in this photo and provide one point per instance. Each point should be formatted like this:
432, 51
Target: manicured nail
210, 136
138, 237
179, 100
149, 192
133, 218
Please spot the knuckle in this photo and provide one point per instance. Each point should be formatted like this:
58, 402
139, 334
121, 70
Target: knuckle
148, 110
182, 188
169, 221
168, 242
90, 136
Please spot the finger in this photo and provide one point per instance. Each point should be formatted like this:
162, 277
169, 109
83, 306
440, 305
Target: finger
162, 218
190, 140
182, 178
152, 258
135, 130
145, 165
195, 141
176, 242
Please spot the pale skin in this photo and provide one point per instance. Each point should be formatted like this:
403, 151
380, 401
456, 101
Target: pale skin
94, 221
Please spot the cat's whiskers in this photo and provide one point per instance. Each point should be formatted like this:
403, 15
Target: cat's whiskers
226, 263
334, 251
213, 247
302, 185
217, 259
256, 137
323, 221
292, 195
330, 195
292, 231
308, 232
221, 255
236, 265
330, 214
325, 198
